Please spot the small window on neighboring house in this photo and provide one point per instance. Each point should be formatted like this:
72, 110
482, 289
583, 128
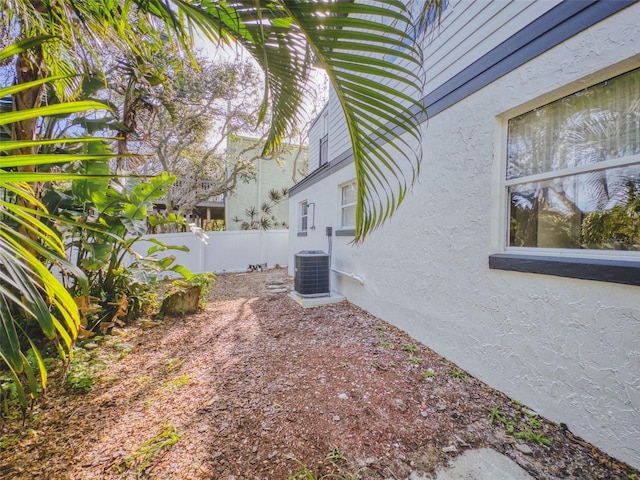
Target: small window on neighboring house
348, 205
573, 170
304, 215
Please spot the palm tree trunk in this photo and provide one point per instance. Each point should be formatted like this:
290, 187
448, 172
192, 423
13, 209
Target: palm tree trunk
29, 67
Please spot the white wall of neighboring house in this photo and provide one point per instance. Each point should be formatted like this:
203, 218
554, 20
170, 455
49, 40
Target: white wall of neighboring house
567, 348
270, 174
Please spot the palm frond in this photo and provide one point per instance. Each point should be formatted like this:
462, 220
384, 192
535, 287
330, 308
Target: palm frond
367, 49
28, 289
369, 52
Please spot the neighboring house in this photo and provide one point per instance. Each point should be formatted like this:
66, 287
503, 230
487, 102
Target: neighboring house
219, 211
270, 174
208, 213
517, 253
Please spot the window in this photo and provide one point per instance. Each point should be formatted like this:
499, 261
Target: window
303, 218
324, 151
323, 155
348, 205
573, 170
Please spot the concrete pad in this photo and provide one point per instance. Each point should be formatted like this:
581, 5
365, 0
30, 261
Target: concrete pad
481, 464
308, 302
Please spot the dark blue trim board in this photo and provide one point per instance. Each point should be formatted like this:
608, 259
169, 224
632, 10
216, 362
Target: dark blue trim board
615, 271
323, 172
547, 31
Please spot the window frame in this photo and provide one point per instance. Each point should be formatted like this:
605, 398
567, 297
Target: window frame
303, 215
616, 266
323, 150
345, 230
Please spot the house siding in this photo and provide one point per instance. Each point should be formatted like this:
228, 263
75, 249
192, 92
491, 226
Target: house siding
339, 140
315, 134
565, 347
471, 29
485, 25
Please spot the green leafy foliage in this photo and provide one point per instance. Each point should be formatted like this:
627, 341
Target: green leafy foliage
181, 381
83, 370
335, 466
411, 348
8, 441
496, 415
202, 280
531, 435
459, 375
8, 395
615, 228
429, 373
29, 292
103, 220
32, 239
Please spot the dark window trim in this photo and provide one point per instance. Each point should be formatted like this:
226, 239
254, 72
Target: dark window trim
346, 232
555, 26
614, 271
302, 234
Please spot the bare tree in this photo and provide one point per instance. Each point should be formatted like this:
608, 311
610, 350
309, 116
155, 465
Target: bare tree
188, 135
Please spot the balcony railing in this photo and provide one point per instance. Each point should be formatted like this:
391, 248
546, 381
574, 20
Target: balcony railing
324, 150
184, 189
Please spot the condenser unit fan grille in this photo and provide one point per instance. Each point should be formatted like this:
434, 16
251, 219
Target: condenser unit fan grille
311, 273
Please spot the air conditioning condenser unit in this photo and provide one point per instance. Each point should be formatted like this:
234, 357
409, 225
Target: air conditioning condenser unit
311, 275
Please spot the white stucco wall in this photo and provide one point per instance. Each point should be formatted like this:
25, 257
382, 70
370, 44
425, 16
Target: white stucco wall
326, 197
567, 348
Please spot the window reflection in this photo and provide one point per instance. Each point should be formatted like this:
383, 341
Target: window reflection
594, 125
595, 210
576, 200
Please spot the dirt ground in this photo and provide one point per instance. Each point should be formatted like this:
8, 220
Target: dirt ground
255, 387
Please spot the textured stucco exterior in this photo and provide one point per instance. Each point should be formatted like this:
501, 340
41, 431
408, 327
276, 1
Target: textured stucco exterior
567, 348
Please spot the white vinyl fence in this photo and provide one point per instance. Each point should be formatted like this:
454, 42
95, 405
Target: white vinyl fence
230, 251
